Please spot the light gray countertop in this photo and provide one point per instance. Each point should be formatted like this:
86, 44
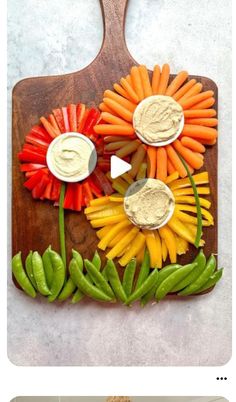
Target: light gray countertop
133, 399
65, 36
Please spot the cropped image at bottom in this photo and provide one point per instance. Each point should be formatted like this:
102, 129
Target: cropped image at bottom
119, 399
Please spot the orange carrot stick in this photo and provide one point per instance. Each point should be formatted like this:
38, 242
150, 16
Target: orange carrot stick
151, 158
53, 122
128, 88
137, 82
205, 104
147, 89
199, 132
170, 168
105, 108
188, 155
118, 88
208, 142
115, 138
48, 127
164, 79
189, 102
110, 118
161, 164
176, 83
129, 80
207, 121
156, 79
192, 144
111, 129
119, 99
176, 161
199, 113
119, 109
196, 89
184, 89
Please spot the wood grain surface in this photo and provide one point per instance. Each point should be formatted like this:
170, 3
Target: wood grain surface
35, 223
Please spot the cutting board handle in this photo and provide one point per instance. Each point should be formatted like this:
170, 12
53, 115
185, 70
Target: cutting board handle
114, 13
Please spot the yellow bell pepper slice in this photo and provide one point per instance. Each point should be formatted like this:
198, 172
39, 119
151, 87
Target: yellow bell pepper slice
169, 237
118, 237
187, 199
199, 178
182, 216
182, 245
136, 245
164, 250
158, 249
100, 201
152, 247
123, 243
172, 177
128, 178
116, 198
193, 230
189, 191
192, 208
119, 209
103, 231
140, 255
113, 233
109, 220
181, 229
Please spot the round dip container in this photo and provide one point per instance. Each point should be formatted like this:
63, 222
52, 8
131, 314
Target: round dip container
149, 203
158, 120
71, 157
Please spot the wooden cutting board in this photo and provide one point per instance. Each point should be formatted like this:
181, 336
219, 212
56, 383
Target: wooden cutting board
35, 223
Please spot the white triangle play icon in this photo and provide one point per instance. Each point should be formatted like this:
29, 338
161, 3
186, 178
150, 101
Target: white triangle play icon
118, 167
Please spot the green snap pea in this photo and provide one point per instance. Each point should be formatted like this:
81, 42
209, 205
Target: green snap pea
77, 296
78, 257
48, 268
84, 285
163, 274
29, 269
167, 285
201, 263
104, 272
128, 277
96, 261
145, 286
39, 274
59, 274
20, 275
202, 279
98, 279
144, 270
211, 281
115, 282
67, 290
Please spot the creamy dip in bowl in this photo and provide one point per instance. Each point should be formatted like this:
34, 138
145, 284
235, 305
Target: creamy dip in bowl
158, 120
71, 157
149, 203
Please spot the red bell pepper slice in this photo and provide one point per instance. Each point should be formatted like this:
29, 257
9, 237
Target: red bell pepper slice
71, 108
92, 119
77, 197
39, 189
34, 148
31, 173
36, 141
80, 110
49, 127
59, 118
65, 119
56, 187
80, 127
33, 157
88, 196
28, 167
48, 189
95, 189
102, 181
34, 180
69, 197
40, 132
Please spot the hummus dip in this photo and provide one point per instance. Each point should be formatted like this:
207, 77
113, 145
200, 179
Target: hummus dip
158, 118
149, 203
69, 157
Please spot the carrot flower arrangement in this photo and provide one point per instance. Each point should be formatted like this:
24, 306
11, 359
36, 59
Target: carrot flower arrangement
138, 106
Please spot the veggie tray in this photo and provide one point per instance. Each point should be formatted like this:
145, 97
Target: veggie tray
100, 102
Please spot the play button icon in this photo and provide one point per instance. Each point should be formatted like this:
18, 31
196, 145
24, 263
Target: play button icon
118, 167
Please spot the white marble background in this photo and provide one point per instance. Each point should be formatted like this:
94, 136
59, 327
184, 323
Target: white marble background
55, 37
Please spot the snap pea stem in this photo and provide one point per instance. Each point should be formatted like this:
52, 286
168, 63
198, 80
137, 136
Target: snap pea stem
198, 206
62, 224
